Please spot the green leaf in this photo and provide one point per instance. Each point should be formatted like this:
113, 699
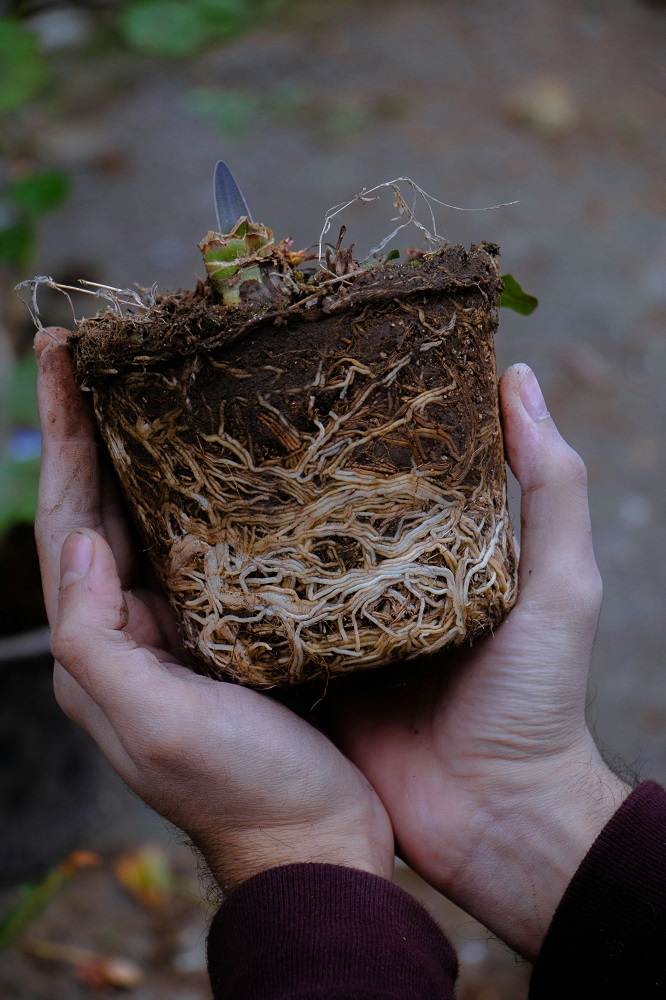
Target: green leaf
19, 479
393, 254
513, 297
40, 192
164, 27
17, 244
21, 398
22, 69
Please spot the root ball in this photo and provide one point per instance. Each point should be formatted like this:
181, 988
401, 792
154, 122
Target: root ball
321, 487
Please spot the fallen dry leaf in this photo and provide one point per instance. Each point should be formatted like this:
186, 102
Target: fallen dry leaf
147, 875
97, 971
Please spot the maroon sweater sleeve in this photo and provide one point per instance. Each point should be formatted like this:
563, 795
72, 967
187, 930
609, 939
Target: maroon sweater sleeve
608, 935
330, 933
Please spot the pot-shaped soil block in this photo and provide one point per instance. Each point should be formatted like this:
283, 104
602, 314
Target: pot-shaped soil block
321, 484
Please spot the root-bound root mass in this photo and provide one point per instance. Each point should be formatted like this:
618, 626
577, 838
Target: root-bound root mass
320, 490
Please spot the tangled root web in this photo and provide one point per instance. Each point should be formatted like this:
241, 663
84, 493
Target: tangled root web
313, 561
285, 572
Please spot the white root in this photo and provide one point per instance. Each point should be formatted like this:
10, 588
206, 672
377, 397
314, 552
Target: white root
314, 565
406, 213
119, 299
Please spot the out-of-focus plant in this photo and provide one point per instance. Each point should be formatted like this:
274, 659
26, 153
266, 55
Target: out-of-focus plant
36, 897
24, 201
328, 118
28, 191
25, 194
184, 27
22, 68
97, 971
159, 27
19, 462
31, 188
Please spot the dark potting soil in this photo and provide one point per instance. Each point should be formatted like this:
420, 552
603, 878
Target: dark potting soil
182, 323
438, 310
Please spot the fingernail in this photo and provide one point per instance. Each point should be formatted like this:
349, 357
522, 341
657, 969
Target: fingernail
532, 397
75, 558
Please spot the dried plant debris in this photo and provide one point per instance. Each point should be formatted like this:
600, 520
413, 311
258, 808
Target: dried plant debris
407, 214
314, 461
97, 972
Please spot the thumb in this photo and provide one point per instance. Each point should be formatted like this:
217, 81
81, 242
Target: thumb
90, 639
88, 577
556, 535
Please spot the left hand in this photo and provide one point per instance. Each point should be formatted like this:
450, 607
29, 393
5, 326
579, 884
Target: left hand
249, 781
483, 759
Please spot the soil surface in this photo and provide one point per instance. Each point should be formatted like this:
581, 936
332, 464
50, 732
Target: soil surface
560, 104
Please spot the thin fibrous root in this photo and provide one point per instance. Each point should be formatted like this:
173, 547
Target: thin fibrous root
143, 299
348, 569
405, 212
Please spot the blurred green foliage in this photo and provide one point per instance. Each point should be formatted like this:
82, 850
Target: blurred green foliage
22, 67
35, 897
19, 469
39, 192
22, 203
167, 28
17, 243
21, 399
234, 111
184, 27
231, 111
29, 189
35, 190
19, 479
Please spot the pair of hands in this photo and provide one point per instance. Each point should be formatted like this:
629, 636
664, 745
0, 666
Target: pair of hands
482, 768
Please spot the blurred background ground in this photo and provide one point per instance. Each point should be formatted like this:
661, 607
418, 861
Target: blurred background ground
560, 104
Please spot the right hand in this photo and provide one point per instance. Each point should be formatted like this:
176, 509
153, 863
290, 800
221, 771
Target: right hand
483, 758
249, 781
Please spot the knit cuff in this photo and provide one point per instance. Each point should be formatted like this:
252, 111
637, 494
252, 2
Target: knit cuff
607, 935
325, 931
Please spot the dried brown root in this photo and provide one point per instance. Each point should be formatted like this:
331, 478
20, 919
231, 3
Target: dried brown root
407, 214
118, 299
